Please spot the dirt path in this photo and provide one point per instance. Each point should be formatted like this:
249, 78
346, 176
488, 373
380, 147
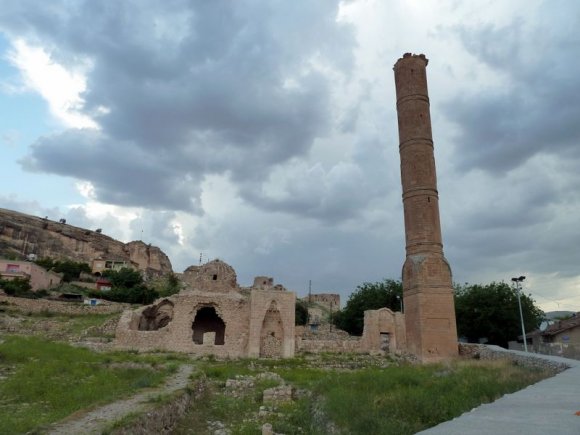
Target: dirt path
96, 420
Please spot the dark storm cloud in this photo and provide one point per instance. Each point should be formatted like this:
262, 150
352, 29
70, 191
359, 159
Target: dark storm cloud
122, 172
337, 261
532, 109
155, 227
182, 89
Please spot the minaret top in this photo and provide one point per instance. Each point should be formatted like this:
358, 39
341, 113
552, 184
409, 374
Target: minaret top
412, 56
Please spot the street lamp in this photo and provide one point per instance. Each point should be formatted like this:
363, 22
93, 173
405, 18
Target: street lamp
518, 283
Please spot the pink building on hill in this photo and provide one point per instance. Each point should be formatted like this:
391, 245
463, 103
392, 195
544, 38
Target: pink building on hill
38, 277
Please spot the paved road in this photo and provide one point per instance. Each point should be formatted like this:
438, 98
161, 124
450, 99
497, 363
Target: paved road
548, 407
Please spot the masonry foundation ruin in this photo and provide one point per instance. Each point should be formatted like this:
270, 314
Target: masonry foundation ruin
215, 316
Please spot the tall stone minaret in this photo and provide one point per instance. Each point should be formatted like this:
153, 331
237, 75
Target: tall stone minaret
427, 283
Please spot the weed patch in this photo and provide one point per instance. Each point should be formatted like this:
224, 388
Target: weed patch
380, 399
49, 380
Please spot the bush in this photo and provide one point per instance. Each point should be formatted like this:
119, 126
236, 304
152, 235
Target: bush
137, 295
71, 270
166, 285
18, 287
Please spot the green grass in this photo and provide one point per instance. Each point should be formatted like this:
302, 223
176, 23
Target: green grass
405, 400
214, 405
47, 381
398, 399
72, 325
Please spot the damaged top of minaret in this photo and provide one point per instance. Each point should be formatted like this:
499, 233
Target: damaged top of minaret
415, 56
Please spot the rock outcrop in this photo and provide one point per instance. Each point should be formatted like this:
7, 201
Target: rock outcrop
22, 234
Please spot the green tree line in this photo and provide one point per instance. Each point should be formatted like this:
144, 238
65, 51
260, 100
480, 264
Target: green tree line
488, 311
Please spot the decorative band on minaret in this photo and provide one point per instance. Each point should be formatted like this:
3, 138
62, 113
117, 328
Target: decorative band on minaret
427, 282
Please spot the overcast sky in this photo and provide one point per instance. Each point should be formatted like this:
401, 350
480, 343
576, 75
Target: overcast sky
264, 133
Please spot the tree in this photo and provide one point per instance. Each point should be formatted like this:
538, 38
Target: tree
127, 286
301, 312
124, 277
491, 311
368, 296
15, 287
170, 285
71, 270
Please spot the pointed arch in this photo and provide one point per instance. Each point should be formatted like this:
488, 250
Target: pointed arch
272, 333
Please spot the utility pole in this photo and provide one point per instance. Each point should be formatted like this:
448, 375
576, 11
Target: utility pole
518, 283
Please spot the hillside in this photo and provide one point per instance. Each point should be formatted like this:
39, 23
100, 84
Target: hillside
22, 234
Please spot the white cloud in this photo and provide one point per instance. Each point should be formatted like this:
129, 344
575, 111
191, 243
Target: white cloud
60, 87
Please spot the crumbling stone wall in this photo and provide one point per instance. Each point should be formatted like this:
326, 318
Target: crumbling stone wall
214, 316
492, 352
58, 307
330, 301
156, 316
332, 345
178, 334
263, 306
384, 331
215, 276
272, 333
327, 340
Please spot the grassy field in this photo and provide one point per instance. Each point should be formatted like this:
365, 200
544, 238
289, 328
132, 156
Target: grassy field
399, 399
42, 382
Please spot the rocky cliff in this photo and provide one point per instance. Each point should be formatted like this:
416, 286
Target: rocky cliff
22, 234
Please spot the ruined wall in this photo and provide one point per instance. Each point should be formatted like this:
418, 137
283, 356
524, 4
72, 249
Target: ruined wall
58, 307
22, 234
178, 334
334, 345
384, 331
262, 305
214, 276
326, 339
330, 301
214, 316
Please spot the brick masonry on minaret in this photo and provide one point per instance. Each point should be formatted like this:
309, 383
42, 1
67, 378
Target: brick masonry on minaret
427, 283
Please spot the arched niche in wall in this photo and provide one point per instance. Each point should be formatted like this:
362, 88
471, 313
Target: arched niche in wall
272, 333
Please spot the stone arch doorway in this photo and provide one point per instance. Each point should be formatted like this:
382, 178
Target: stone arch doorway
208, 327
272, 333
